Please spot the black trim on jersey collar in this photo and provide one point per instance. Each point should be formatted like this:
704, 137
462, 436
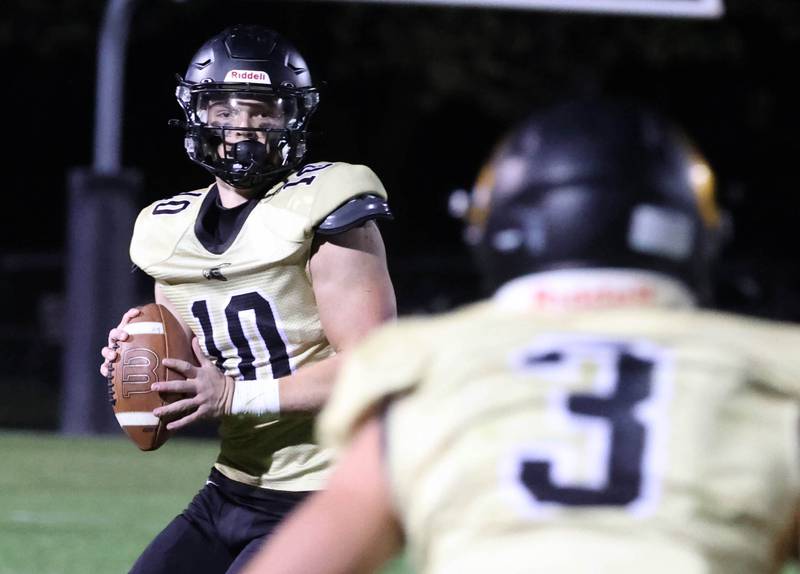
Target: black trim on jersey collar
217, 227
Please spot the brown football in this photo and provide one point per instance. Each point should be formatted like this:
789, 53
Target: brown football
154, 335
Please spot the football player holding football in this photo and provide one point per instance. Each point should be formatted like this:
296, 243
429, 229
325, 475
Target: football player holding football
274, 270
589, 417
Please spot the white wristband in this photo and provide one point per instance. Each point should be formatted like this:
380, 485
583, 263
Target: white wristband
256, 397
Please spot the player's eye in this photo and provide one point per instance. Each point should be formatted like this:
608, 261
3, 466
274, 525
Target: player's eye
266, 113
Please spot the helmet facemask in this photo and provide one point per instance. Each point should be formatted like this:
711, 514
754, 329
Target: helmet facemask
244, 134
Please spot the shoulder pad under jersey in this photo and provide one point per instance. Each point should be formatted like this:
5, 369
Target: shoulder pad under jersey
160, 226
354, 213
317, 189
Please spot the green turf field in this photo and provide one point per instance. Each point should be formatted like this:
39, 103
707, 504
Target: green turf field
90, 505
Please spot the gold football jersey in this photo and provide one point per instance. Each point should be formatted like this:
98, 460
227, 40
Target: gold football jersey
252, 306
622, 440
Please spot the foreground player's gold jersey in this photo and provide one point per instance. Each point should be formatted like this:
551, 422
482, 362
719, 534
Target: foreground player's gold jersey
626, 440
253, 308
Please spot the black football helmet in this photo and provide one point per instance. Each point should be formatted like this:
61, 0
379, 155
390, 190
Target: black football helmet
247, 97
596, 185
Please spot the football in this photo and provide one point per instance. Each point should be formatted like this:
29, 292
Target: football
153, 335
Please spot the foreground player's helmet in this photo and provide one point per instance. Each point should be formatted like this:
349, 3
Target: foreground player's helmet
248, 97
596, 185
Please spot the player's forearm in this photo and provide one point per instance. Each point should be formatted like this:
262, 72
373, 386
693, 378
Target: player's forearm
305, 390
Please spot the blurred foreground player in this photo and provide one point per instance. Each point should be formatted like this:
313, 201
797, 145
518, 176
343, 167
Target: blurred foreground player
274, 268
588, 417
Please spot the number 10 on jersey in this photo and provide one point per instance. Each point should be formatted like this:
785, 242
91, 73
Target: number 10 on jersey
266, 326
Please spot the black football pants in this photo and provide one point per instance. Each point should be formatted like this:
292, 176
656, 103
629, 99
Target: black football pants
224, 525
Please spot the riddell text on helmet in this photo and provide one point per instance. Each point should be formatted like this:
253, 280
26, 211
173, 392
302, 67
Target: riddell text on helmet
255, 76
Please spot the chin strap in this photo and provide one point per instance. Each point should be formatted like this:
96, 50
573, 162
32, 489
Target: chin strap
249, 152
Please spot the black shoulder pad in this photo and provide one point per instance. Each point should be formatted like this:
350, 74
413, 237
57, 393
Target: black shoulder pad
354, 213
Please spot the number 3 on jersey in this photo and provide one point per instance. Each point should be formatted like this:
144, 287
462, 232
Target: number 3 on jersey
611, 426
265, 325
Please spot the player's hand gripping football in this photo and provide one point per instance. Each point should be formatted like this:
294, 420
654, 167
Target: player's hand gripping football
210, 391
115, 335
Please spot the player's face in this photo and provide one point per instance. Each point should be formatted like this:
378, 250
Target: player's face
251, 115
247, 127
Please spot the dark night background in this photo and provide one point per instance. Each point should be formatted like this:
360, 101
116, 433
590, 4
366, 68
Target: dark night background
420, 94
